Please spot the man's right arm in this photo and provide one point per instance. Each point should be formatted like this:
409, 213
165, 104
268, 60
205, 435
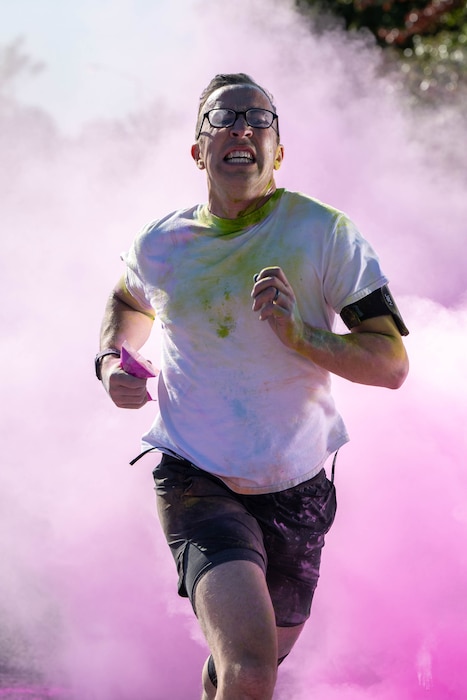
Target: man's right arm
124, 319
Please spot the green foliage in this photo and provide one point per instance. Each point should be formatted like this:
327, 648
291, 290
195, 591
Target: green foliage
427, 39
437, 65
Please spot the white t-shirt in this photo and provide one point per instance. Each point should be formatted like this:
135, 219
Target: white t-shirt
233, 399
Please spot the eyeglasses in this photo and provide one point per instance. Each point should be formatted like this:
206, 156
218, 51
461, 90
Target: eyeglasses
223, 118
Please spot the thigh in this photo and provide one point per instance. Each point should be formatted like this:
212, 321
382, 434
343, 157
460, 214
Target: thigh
294, 524
205, 523
236, 615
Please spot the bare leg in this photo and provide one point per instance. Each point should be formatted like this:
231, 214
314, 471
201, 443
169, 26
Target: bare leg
286, 638
236, 615
209, 691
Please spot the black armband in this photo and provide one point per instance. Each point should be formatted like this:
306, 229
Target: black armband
378, 303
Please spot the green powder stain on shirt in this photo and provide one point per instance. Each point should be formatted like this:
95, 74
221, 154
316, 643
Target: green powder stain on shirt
224, 329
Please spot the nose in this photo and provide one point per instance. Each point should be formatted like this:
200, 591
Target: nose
240, 126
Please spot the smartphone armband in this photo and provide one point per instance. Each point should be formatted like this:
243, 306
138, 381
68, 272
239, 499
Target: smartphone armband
378, 303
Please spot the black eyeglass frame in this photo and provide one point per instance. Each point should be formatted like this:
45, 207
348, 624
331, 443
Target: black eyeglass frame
244, 113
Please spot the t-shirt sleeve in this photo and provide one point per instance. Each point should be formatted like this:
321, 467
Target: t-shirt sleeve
351, 267
134, 278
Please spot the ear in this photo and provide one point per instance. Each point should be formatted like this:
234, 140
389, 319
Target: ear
279, 156
197, 157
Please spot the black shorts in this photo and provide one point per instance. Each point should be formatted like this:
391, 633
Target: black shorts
206, 524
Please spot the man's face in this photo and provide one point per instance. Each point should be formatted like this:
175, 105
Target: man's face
239, 155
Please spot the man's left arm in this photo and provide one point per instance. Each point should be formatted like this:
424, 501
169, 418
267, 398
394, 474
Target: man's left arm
372, 353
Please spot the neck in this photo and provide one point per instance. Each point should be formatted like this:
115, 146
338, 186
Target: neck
231, 207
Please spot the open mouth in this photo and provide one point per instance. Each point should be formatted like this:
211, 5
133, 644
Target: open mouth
242, 157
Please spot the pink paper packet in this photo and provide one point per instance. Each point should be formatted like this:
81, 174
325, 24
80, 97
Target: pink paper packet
135, 364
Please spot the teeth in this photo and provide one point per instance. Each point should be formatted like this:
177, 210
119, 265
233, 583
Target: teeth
240, 156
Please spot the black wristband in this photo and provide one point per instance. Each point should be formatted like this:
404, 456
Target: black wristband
99, 357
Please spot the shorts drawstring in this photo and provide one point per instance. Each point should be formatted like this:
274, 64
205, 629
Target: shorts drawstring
333, 468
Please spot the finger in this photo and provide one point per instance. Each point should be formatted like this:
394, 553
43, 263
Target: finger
127, 390
122, 378
124, 399
130, 404
271, 271
278, 308
270, 277
269, 291
267, 297
270, 284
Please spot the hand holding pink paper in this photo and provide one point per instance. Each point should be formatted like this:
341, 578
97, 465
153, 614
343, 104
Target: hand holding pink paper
136, 365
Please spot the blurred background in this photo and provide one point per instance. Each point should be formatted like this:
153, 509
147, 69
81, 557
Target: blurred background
98, 104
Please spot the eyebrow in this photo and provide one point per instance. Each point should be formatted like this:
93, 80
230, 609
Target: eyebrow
243, 108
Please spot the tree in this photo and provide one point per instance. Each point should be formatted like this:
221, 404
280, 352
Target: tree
428, 39
23, 128
15, 63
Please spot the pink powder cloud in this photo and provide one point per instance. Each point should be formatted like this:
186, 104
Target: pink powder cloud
88, 586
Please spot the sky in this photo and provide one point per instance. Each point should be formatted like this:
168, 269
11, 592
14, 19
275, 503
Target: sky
92, 148
94, 55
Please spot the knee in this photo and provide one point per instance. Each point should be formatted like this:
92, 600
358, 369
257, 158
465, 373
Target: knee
250, 677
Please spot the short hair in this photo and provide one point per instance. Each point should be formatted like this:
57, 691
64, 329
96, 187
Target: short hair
222, 80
